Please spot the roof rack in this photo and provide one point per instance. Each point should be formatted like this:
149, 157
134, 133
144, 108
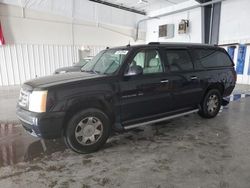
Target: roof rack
154, 43
179, 43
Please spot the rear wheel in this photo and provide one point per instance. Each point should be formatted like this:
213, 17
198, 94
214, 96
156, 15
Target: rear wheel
87, 131
211, 104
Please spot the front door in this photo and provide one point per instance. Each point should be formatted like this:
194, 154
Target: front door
147, 94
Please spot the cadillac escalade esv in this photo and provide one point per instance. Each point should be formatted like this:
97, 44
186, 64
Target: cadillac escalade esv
125, 87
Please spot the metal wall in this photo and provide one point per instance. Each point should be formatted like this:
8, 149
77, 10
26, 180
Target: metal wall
21, 62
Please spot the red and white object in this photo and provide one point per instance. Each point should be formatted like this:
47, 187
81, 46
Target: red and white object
2, 42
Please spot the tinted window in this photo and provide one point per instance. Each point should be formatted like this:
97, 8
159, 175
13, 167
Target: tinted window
213, 58
149, 60
179, 60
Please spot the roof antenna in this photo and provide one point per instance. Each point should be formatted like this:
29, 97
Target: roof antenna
128, 44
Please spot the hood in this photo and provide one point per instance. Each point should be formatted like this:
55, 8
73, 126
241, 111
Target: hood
69, 69
58, 79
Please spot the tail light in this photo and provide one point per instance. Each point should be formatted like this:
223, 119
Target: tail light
235, 75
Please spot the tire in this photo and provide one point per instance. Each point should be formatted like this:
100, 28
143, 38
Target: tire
87, 131
211, 104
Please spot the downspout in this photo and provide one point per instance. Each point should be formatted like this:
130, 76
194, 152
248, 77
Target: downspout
138, 25
72, 23
174, 12
211, 23
74, 58
24, 6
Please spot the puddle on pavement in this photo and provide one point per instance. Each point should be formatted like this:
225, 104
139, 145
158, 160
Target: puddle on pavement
16, 145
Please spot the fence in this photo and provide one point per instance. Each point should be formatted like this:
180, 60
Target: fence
21, 62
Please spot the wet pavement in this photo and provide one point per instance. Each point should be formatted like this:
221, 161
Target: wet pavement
16, 145
185, 152
8, 99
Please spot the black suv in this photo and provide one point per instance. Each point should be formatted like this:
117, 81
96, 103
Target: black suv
125, 87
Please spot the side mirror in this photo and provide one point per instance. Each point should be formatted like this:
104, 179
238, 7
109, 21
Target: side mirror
134, 70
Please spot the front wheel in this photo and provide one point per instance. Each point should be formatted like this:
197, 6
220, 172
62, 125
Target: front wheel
211, 104
87, 131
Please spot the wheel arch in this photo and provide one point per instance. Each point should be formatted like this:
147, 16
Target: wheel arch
219, 86
76, 105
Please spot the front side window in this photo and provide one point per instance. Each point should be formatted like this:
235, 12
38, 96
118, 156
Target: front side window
106, 62
179, 60
149, 61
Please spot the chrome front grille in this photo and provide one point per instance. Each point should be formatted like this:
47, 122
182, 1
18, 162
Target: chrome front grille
23, 98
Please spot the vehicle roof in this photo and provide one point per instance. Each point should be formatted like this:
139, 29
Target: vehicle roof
160, 44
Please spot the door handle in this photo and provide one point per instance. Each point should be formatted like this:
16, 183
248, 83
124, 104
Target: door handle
164, 81
194, 78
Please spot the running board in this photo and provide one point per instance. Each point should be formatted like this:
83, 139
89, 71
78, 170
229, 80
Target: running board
161, 119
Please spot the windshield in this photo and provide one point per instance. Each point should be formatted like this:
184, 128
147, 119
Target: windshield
106, 62
81, 63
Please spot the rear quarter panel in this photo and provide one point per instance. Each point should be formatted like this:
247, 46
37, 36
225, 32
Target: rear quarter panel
224, 76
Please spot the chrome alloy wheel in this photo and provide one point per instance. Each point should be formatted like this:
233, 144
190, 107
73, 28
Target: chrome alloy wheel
88, 131
212, 103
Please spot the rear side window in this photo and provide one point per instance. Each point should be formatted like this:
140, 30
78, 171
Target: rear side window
213, 58
179, 60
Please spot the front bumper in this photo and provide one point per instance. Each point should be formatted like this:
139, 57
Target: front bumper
44, 125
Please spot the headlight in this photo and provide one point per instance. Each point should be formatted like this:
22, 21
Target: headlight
37, 101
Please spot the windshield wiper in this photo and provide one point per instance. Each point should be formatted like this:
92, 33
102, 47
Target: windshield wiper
91, 71
97, 72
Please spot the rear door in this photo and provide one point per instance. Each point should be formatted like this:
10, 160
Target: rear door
146, 95
186, 84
